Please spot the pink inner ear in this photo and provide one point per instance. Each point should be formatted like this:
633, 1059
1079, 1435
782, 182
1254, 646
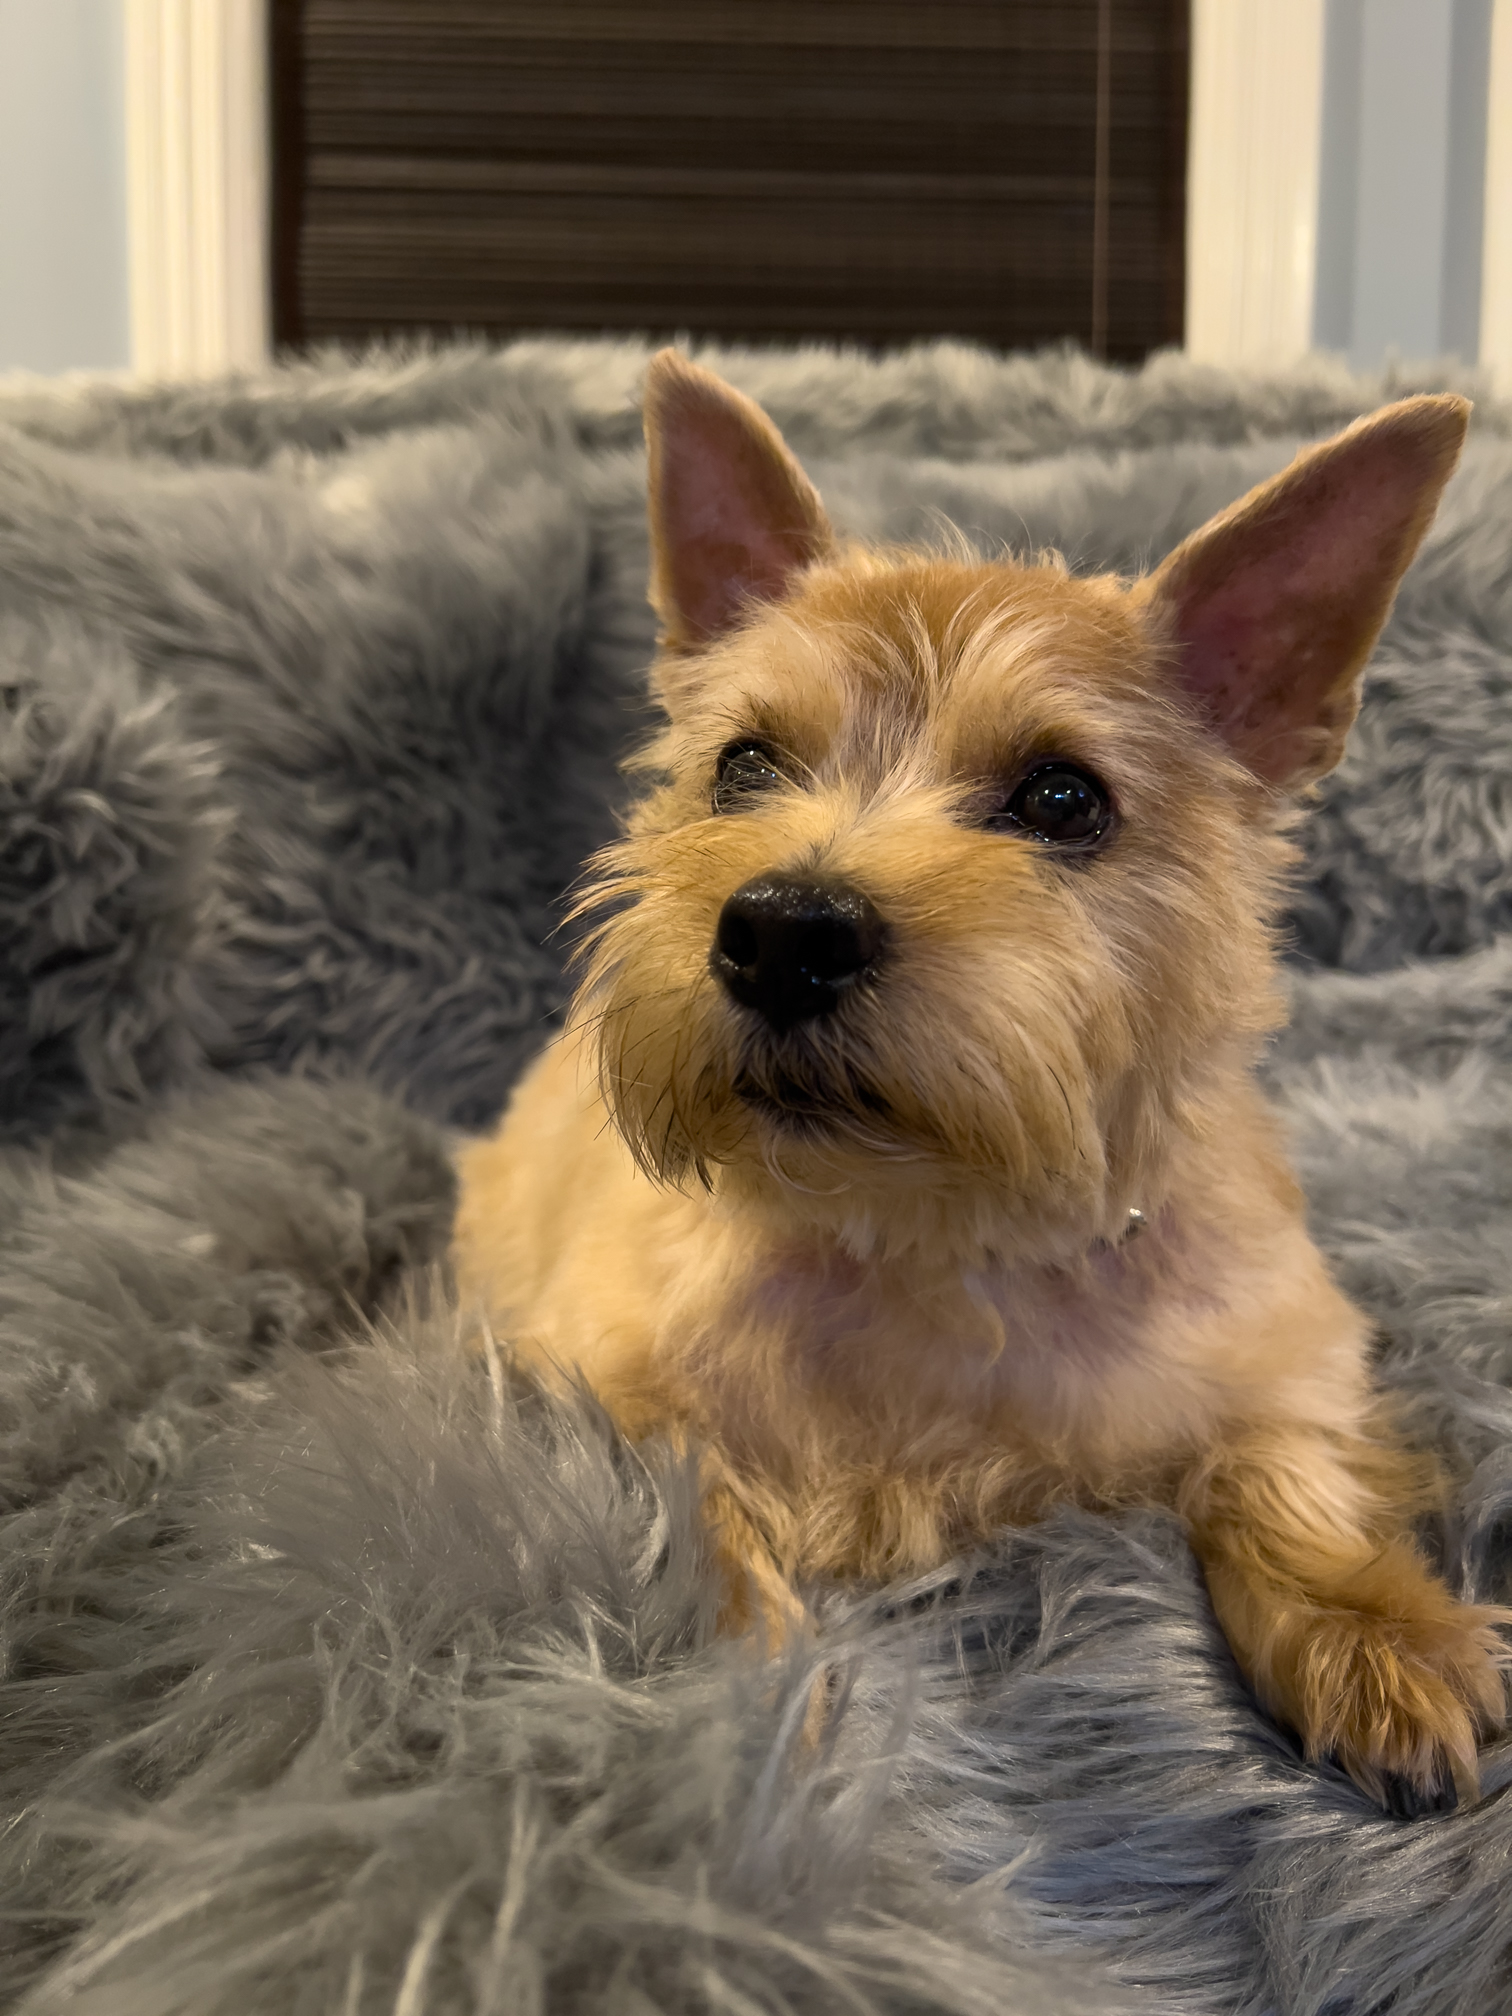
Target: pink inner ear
728, 544
1277, 603
1268, 644
733, 517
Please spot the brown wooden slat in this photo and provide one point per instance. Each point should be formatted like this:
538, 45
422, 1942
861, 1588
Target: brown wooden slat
664, 263
289, 149
794, 24
550, 103
738, 167
489, 180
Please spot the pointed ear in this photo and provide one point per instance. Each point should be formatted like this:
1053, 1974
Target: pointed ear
1273, 606
733, 517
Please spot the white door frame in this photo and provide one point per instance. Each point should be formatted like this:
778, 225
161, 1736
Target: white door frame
1496, 258
1253, 169
197, 185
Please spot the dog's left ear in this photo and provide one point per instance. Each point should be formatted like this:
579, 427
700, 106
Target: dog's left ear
733, 517
1273, 606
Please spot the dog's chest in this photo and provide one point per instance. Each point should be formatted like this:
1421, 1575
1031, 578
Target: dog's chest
888, 1365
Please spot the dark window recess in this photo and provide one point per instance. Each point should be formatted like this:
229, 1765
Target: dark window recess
863, 170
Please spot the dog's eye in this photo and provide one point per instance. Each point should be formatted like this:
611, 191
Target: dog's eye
744, 769
1056, 803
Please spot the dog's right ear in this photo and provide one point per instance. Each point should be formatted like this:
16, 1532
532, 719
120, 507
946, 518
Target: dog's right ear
1270, 610
733, 517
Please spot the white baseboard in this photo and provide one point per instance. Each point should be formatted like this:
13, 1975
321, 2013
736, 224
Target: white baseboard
197, 185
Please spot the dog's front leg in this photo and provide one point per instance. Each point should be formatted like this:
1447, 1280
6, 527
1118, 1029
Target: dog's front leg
1338, 1623
758, 1597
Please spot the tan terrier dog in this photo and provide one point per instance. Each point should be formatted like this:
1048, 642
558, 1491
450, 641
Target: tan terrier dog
904, 1153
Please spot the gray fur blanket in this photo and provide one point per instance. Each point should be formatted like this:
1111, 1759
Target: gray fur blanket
343, 1675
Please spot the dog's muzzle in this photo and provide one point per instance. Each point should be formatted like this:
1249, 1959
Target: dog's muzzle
791, 947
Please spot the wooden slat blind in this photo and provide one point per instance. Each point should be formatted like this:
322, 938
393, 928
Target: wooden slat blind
868, 170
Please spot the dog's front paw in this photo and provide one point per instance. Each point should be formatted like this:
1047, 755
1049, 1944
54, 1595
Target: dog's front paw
1401, 1700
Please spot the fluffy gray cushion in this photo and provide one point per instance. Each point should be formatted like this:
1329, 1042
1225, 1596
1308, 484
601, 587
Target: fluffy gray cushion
340, 1673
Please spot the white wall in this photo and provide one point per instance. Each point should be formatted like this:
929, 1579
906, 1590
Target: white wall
63, 263
1402, 169
1370, 141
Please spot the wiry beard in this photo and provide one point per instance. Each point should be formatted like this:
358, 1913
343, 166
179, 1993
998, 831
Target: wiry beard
672, 1102
689, 1089
812, 1086
691, 1081
923, 1097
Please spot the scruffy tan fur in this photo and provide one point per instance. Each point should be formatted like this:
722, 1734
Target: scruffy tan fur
876, 1266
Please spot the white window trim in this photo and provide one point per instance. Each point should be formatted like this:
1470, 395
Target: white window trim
1253, 169
1496, 255
197, 185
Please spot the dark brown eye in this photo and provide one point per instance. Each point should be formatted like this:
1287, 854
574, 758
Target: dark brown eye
744, 769
1057, 803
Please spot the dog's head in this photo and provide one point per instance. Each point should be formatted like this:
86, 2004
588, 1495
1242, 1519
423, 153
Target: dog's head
952, 901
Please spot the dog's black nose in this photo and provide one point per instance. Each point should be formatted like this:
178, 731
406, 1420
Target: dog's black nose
789, 946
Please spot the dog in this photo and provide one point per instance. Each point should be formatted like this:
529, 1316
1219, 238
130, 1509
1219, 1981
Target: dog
903, 1151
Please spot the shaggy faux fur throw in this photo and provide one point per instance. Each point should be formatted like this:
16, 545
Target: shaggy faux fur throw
343, 1674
